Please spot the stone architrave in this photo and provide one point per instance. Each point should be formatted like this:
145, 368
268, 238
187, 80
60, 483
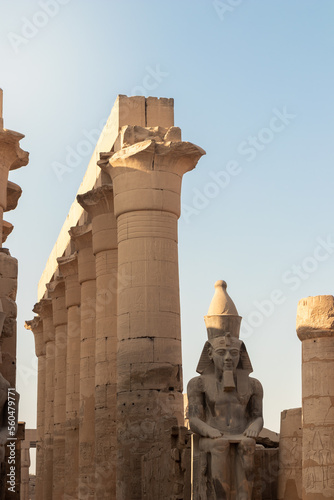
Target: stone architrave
315, 328
57, 293
69, 270
82, 237
44, 310
225, 407
99, 204
36, 326
290, 455
147, 173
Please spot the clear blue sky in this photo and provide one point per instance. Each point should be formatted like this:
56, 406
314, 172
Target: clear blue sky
253, 85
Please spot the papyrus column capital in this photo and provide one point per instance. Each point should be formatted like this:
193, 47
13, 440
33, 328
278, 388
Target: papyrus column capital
147, 174
14, 192
12, 156
97, 201
44, 309
36, 326
315, 317
56, 290
82, 237
68, 267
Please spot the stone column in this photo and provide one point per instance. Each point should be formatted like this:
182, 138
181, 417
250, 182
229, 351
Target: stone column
36, 325
44, 309
82, 236
290, 455
315, 328
69, 270
147, 172
100, 206
25, 464
57, 294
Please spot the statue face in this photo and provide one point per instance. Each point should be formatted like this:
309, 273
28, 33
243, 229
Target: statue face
226, 358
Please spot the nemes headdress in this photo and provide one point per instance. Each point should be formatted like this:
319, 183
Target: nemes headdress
223, 328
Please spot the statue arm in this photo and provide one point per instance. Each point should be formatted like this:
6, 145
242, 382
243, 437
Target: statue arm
196, 411
256, 418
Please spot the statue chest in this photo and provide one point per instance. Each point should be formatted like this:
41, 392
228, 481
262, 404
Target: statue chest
225, 406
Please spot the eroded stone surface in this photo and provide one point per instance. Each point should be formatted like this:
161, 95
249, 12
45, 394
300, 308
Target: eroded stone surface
290, 455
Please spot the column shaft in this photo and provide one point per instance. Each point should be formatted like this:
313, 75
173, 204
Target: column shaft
36, 325
44, 309
86, 271
60, 324
99, 205
69, 270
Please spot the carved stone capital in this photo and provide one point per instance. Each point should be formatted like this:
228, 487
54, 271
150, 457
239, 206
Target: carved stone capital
13, 195
81, 236
152, 155
315, 317
69, 270
68, 266
98, 201
147, 172
43, 308
12, 157
36, 326
7, 228
56, 288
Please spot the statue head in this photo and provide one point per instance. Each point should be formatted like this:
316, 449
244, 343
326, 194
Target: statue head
224, 352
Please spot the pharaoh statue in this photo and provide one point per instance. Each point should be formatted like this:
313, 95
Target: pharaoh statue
225, 407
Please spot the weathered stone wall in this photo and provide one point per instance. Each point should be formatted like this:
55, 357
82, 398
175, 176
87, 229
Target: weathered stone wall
290, 455
166, 468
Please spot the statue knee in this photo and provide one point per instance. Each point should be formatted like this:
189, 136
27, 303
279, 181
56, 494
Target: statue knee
246, 446
221, 446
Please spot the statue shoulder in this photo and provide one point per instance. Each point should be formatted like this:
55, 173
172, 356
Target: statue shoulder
195, 385
256, 387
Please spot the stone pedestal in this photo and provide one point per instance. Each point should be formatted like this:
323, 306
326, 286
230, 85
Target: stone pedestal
82, 236
315, 328
69, 270
44, 309
290, 455
100, 207
36, 325
147, 173
57, 294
